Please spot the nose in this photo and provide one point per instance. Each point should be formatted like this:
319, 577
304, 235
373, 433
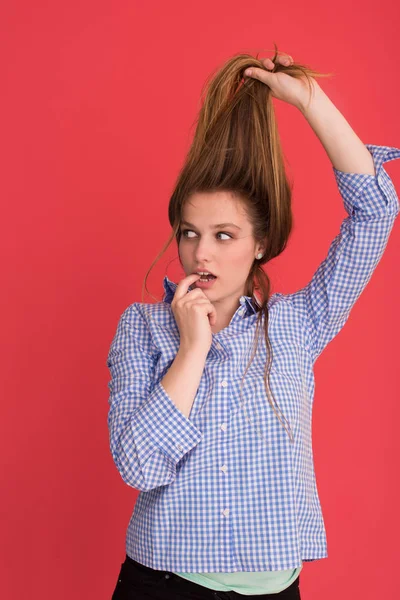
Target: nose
203, 251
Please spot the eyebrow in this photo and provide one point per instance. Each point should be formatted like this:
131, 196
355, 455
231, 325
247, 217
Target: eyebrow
217, 226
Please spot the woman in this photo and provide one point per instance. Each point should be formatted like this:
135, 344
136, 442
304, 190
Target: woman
229, 507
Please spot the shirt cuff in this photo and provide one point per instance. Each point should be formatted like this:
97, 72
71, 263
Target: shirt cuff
366, 194
158, 424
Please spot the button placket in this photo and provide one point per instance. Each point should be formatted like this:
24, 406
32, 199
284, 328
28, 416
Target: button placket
223, 426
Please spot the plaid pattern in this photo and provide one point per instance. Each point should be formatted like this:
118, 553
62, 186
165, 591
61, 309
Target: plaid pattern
214, 495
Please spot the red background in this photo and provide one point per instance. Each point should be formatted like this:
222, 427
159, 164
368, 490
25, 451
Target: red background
97, 105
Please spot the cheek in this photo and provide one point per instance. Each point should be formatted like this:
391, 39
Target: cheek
239, 257
184, 253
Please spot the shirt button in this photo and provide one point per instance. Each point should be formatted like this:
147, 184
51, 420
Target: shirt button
225, 512
179, 447
223, 426
218, 346
224, 383
224, 468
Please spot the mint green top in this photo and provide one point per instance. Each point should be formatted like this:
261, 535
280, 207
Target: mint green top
249, 583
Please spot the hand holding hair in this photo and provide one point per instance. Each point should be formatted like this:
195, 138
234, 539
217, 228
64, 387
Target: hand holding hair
287, 84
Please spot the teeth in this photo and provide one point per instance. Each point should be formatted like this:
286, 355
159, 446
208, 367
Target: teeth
203, 273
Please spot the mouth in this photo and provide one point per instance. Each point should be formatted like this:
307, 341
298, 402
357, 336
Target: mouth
206, 281
205, 276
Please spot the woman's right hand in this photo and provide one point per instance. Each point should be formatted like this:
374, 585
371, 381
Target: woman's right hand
194, 314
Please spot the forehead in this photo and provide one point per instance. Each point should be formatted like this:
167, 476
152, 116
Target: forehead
216, 207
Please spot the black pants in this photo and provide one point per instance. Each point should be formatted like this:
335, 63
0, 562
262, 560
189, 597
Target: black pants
137, 582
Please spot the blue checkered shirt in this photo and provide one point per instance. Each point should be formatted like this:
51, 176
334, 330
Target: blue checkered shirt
214, 495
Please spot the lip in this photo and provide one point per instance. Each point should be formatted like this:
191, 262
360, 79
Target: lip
204, 285
205, 270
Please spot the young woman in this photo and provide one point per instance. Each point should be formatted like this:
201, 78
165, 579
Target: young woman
228, 504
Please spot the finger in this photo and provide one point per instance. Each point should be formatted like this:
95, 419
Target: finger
284, 59
194, 295
210, 309
196, 298
268, 63
260, 74
184, 284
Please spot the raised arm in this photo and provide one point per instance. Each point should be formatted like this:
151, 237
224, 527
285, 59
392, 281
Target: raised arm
371, 202
341, 143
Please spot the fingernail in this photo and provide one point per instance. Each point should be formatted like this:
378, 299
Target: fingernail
248, 72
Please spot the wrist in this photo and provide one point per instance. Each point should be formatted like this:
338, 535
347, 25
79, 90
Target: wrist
307, 102
190, 352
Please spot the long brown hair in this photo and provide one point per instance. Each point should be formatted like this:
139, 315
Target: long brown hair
236, 148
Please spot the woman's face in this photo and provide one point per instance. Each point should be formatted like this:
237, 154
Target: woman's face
227, 251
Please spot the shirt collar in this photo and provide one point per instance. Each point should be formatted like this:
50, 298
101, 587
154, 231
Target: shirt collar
170, 287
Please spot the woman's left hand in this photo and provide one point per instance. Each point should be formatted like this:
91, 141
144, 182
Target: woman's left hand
293, 90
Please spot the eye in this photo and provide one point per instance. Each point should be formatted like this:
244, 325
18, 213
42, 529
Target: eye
223, 233
186, 231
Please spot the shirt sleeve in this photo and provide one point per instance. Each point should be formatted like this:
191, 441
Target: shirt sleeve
372, 205
148, 434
